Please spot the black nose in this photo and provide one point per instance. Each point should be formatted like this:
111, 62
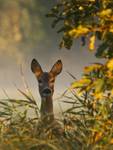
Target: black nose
47, 91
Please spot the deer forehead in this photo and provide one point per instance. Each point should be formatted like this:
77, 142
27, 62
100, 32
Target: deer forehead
46, 77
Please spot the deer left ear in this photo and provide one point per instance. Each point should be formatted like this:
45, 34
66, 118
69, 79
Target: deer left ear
57, 68
36, 68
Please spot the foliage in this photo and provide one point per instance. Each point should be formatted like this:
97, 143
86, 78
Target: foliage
92, 118
91, 19
87, 124
97, 79
92, 105
91, 96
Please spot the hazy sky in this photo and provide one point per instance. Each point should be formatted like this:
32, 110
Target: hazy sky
47, 53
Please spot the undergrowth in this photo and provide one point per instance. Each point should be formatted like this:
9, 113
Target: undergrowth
87, 124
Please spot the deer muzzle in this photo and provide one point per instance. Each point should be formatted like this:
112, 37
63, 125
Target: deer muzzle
47, 92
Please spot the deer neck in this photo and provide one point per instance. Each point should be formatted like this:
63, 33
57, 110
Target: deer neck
47, 108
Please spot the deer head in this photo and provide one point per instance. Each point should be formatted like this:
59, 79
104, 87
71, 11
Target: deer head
46, 84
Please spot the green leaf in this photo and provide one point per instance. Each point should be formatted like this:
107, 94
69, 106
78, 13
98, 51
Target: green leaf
101, 50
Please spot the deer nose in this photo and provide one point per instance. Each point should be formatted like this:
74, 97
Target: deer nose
47, 91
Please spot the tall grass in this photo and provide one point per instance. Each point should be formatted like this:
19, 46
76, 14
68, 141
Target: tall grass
86, 125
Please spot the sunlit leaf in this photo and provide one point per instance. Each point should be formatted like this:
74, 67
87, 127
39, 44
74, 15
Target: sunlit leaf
92, 42
99, 85
110, 64
81, 83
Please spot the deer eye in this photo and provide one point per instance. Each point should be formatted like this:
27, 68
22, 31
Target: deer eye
40, 81
52, 80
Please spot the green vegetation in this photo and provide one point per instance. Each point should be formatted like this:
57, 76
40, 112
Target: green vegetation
90, 20
19, 130
88, 123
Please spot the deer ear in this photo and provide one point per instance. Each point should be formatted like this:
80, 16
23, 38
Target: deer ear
57, 68
36, 68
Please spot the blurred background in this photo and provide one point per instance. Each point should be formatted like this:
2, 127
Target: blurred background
25, 33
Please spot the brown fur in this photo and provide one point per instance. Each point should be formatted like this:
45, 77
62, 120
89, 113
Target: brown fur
46, 87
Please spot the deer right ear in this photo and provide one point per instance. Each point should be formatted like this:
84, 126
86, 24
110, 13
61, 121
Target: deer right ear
57, 68
36, 68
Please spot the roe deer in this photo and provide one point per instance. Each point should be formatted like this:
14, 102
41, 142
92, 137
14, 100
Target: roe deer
46, 87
